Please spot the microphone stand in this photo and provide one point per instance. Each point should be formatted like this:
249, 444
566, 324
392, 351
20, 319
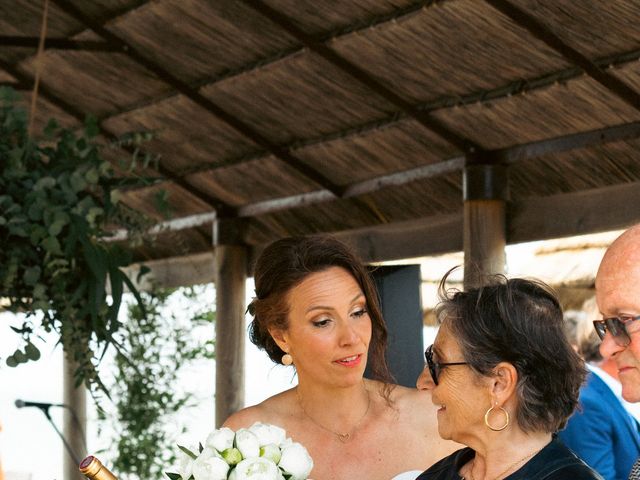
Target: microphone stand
71, 453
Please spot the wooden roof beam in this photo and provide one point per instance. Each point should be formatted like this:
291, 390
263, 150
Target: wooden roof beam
18, 86
543, 33
355, 189
504, 91
115, 14
531, 219
119, 12
199, 99
576, 213
357, 73
59, 44
509, 155
372, 22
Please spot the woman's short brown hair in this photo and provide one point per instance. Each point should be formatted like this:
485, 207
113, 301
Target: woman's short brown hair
518, 321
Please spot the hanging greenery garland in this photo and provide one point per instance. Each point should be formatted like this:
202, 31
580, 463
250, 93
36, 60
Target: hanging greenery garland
59, 201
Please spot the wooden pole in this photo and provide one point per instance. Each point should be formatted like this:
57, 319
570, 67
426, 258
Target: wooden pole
74, 420
484, 229
231, 268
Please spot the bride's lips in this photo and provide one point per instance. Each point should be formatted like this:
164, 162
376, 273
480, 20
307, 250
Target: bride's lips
350, 361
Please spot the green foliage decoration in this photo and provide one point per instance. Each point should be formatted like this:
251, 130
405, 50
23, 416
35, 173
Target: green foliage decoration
147, 392
58, 198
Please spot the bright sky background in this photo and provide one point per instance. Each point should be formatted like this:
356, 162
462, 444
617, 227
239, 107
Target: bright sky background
26, 432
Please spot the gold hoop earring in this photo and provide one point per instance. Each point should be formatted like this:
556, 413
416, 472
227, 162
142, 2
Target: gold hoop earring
486, 419
287, 359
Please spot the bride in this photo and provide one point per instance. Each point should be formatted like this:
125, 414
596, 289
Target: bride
316, 309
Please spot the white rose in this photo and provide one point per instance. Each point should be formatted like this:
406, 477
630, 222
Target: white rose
220, 439
256, 469
285, 443
268, 433
296, 461
271, 452
185, 465
247, 443
210, 466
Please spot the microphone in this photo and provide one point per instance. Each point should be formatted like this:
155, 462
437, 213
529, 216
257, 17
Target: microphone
42, 405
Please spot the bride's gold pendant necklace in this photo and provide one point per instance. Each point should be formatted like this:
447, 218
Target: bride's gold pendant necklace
343, 437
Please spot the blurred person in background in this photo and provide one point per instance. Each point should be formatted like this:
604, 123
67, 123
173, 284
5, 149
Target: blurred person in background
601, 431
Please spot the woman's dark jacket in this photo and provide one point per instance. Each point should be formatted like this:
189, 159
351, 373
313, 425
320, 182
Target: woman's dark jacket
553, 462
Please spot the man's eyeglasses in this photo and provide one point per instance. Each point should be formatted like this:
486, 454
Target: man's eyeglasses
436, 367
617, 327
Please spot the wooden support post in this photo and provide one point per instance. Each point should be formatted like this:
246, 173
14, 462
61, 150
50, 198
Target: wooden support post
74, 420
230, 280
484, 230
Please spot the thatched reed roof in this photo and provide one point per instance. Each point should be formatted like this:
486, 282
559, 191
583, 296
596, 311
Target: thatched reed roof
297, 116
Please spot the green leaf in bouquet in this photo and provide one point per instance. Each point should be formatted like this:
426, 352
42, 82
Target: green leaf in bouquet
189, 452
173, 476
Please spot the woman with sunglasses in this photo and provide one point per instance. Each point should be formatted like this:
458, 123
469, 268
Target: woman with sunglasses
316, 310
505, 380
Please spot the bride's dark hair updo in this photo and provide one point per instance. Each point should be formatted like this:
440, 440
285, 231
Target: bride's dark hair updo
287, 262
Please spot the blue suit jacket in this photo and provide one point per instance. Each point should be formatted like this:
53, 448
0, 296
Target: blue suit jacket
602, 432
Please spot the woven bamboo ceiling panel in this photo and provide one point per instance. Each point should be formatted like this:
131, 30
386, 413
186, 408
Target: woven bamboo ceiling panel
356, 117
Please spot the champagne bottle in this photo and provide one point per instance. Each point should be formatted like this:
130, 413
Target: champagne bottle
92, 468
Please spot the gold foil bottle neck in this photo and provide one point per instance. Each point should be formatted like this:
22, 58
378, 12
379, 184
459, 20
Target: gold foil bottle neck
92, 468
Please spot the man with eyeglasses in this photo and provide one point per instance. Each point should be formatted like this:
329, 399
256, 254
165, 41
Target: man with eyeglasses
618, 298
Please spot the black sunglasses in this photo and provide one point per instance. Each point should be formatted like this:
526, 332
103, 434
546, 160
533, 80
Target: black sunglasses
436, 367
617, 327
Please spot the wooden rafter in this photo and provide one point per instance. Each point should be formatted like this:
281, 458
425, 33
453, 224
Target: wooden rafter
481, 96
51, 97
545, 34
59, 44
509, 155
283, 55
199, 99
362, 76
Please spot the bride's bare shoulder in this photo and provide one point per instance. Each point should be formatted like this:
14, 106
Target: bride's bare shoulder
412, 398
275, 410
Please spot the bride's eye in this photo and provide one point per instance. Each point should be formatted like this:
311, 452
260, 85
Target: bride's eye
323, 322
360, 312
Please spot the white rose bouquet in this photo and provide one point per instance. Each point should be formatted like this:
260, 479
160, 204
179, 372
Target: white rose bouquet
260, 452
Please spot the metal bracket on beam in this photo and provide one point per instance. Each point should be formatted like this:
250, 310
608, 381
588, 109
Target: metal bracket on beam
229, 231
485, 182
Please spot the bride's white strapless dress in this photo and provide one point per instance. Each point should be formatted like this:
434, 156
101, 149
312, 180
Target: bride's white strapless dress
412, 475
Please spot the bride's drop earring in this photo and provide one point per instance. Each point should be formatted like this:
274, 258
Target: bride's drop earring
287, 359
